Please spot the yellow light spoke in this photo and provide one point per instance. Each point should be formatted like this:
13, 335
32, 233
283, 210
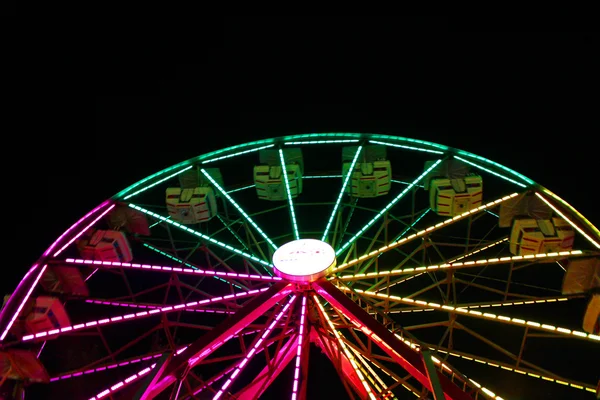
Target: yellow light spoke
461, 264
432, 228
494, 304
479, 314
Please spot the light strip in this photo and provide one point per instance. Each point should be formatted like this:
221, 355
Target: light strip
104, 368
490, 171
363, 361
237, 154
322, 176
237, 206
76, 224
254, 349
406, 147
299, 349
186, 271
342, 191
151, 306
142, 314
156, 183
423, 232
584, 219
123, 383
322, 142
187, 264
479, 250
523, 177
196, 233
84, 230
23, 301
386, 208
518, 371
242, 188
405, 183
479, 314
563, 216
499, 304
289, 194
348, 354
460, 264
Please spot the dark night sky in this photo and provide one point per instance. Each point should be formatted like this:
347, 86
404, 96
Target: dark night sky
525, 100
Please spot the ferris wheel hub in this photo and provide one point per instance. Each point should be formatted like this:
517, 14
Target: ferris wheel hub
304, 260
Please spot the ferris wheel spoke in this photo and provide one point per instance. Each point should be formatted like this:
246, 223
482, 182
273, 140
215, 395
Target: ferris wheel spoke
341, 194
421, 233
484, 315
386, 208
239, 208
124, 383
134, 316
288, 195
200, 235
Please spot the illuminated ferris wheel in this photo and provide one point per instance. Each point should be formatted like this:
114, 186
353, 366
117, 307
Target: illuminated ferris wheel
418, 270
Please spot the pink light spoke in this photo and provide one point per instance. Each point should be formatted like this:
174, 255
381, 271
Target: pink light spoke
104, 368
160, 268
86, 216
74, 238
123, 383
151, 306
23, 301
142, 314
254, 349
299, 349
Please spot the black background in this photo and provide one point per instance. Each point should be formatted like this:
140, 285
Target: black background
138, 102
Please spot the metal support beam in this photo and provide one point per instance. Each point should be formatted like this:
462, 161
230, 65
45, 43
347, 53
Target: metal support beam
177, 367
411, 361
438, 393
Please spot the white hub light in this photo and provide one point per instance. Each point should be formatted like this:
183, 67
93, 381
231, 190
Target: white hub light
304, 260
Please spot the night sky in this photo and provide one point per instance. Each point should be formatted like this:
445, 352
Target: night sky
526, 100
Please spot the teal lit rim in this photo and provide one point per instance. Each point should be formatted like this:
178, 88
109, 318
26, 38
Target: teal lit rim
326, 138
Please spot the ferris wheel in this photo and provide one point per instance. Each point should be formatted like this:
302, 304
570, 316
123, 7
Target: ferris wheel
417, 270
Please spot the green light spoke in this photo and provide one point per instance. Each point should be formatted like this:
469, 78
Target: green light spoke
322, 176
289, 194
233, 232
407, 147
411, 226
242, 188
236, 205
239, 153
405, 183
344, 185
386, 208
180, 261
156, 183
490, 171
200, 235
156, 223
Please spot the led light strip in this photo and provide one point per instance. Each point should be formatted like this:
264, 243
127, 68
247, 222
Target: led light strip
289, 194
237, 206
200, 235
104, 368
84, 229
299, 348
151, 306
460, 264
142, 314
479, 314
342, 191
388, 393
584, 219
406, 147
563, 216
423, 232
345, 349
237, 154
242, 188
523, 177
386, 208
156, 183
501, 304
518, 371
24, 300
122, 383
188, 264
322, 142
254, 349
490, 171
479, 250
185, 271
